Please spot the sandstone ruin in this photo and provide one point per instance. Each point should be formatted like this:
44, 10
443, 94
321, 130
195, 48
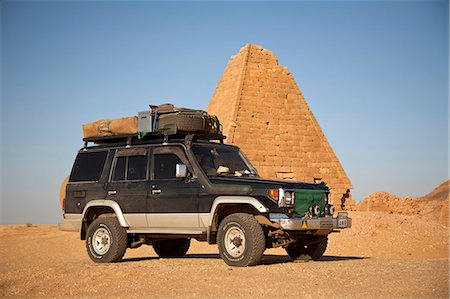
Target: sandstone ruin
433, 206
263, 111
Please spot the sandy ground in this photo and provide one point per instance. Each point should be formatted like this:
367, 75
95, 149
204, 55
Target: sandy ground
383, 255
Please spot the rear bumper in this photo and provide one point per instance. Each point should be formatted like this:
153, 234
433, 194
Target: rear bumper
72, 223
312, 224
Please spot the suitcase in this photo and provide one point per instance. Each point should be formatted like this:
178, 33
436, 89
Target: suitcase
184, 120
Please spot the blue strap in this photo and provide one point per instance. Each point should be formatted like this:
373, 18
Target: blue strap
154, 122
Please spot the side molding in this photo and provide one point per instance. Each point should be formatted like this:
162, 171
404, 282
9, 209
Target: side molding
107, 203
235, 200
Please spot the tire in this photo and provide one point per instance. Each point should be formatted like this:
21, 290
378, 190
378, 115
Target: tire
295, 250
106, 240
241, 240
172, 248
184, 122
314, 250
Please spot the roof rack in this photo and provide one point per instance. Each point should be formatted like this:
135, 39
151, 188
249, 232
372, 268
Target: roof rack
165, 138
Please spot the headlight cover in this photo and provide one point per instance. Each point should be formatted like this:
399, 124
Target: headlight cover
286, 198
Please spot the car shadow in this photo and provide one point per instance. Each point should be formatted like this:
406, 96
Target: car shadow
333, 258
138, 259
187, 256
270, 259
203, 256
267, 259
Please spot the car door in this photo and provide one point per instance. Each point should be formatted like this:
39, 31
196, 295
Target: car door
128, 184
173, 202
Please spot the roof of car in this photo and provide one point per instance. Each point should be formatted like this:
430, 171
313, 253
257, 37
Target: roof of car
131, 140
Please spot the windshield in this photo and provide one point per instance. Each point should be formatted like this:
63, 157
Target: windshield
220, 160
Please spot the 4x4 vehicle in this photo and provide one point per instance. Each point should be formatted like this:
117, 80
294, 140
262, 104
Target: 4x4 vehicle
124, 193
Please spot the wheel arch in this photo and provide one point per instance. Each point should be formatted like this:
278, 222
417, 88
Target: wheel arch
97, 208
227, 205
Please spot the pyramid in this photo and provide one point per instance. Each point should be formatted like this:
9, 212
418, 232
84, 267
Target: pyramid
263, 111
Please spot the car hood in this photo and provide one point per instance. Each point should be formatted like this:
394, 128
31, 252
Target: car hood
266, 183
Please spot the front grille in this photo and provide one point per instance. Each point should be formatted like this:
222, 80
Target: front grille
305, 198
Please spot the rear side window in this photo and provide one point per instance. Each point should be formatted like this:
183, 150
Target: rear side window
88, 166
119, 172
137, 168
130, 168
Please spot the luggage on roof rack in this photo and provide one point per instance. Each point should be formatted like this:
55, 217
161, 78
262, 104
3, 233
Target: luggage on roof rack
158, 121
111, 127
185, 120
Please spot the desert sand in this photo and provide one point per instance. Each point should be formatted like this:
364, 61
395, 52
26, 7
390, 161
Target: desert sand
382, 255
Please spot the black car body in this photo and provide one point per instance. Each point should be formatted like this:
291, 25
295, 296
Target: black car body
126, 193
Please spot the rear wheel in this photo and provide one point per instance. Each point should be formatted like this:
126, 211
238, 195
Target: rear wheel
106, 240
314, 250
172, 248
241, 240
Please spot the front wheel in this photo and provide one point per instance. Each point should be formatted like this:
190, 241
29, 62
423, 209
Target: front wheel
106, 240
241, 240
314, 250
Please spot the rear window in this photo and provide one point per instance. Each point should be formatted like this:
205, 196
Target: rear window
88, 166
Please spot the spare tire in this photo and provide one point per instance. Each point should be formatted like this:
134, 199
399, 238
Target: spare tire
62, 192
184, 122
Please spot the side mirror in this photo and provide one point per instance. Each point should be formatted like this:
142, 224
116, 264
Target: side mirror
180, 171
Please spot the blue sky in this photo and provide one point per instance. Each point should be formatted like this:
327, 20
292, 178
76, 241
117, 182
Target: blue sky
375, 75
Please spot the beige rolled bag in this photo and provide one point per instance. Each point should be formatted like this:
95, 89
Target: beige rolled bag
111, 127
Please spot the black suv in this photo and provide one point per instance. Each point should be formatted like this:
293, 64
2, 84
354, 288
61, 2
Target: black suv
125, 193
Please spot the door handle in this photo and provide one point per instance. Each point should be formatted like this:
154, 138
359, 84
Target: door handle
156, 191
112, 192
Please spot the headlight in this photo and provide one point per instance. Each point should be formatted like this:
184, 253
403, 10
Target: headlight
285, 198
314, 210
289, 198
329, 209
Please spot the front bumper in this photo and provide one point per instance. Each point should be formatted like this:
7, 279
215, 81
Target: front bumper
312, 224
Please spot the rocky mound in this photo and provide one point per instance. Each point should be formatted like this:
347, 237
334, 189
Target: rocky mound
433, 206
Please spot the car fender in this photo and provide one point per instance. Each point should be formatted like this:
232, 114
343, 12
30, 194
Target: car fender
107, 203
235, 200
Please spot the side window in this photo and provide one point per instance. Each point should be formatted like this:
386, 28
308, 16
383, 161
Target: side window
88, 167
130, 168
119, 171
137, 168
165, 165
